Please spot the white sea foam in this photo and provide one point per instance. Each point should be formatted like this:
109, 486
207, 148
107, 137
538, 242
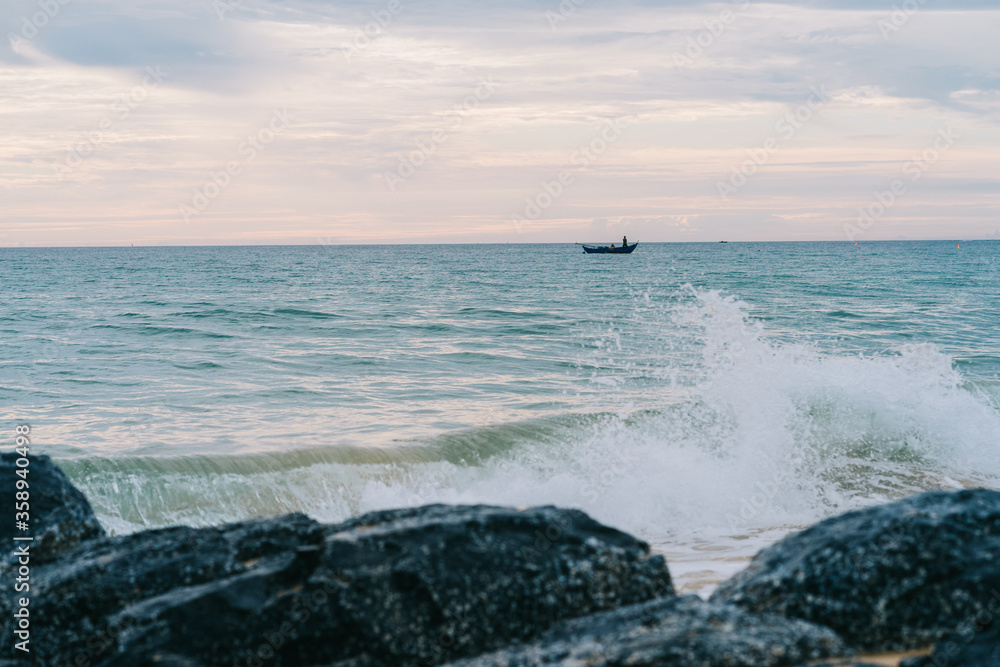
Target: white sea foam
773, 435
765, 438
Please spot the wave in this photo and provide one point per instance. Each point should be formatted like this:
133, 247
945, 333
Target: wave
155, 330
313, 314
765, 437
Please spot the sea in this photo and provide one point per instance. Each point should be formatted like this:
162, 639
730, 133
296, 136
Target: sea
707, 397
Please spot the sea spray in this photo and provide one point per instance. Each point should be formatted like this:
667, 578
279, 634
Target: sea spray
769, 435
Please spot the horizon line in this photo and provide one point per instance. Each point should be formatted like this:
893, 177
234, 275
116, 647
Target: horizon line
474, 243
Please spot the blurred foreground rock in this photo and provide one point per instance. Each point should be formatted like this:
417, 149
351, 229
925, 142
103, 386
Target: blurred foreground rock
479, 586
893, 577
60, 518
388, 588
977, 644
680, 631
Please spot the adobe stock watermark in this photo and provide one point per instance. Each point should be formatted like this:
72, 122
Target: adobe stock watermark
950, 649
624, 461
914, 169
565, 9
583, 157
325, 242
714, 28
900, 16
31, 25
426, 147
759, 500
369, 32
248, 150
126, 103
786, 127
223, 7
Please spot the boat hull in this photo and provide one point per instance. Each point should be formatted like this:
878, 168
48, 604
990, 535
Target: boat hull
607, 250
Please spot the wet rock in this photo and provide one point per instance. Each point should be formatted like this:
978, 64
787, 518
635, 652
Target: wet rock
417, 586
59, 516
892, 577
679, 631
976, 644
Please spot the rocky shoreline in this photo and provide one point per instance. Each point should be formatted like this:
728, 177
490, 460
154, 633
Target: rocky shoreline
482, 586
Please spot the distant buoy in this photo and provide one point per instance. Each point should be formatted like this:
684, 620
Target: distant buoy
959, 246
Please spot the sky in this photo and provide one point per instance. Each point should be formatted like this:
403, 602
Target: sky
183, 122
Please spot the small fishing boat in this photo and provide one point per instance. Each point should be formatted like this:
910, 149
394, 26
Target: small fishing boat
610, 249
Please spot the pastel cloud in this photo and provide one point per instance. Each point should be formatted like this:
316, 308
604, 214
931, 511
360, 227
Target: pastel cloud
101, 153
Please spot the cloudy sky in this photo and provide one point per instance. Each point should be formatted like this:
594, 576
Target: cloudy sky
397, 121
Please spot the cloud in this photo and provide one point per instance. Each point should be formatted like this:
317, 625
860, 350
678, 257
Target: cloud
362, 103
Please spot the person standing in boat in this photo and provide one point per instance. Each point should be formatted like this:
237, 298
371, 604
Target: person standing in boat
624, 241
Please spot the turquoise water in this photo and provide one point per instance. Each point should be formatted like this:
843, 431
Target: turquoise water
706, 396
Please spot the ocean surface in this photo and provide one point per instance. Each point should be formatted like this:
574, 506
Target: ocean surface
707, 397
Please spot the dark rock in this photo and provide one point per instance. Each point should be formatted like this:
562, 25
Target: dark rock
401, 587
679, 631
976, 644
892, 577
60, 518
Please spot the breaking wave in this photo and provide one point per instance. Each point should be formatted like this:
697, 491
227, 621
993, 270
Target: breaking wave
762, 438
